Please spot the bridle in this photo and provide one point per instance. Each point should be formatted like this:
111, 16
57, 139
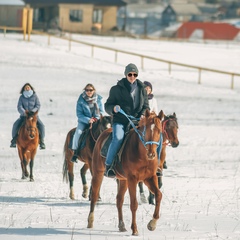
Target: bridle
164, 126
30, 129
140, 134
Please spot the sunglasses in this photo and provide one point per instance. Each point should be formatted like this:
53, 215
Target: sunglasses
134, 74
89, 90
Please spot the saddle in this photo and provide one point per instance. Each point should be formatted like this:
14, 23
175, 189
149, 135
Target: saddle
116, 166
81, 141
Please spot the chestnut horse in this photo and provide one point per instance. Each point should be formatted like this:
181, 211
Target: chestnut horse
138, 162
170, 138
85, 154
27, 143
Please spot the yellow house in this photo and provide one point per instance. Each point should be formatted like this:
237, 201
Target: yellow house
79, 16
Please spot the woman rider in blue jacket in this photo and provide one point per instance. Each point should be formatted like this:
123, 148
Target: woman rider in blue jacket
89, 108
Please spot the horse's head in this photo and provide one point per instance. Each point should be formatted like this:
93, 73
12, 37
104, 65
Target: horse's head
151, 127
100, 125
170, 130
31, 124
106, 122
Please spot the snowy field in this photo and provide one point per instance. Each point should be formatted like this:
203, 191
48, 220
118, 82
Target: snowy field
201, 187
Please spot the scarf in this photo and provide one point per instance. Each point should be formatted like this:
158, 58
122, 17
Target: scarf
91, 101
28, 94
130, 86
150, 96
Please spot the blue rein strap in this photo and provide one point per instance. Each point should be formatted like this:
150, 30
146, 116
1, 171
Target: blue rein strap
141, 136
132, 124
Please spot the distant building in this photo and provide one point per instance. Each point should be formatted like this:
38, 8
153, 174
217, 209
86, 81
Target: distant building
208, 30
79, 16
11, 13
180, 12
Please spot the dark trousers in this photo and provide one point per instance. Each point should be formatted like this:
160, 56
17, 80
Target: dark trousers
17, 124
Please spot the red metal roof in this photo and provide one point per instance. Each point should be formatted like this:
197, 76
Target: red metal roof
220, 31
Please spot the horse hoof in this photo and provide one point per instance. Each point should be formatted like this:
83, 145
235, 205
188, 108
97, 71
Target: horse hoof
31, 180
90, 220
84, 195
152, 225
72, 196
135, 233
121, 227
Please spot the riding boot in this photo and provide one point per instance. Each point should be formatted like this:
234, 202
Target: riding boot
74, 157
42, 144
13, 142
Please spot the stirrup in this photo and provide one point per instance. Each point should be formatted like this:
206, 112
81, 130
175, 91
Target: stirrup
109, 172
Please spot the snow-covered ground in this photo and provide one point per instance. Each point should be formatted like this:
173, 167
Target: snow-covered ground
201, 188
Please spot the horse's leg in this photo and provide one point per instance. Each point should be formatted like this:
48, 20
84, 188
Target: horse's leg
71, 179
162, 160
20, 154
142, 195
32, 156
84, 181
122, 188
31, 170
132, 184
96, 184
151, 195
153, 187
151, 198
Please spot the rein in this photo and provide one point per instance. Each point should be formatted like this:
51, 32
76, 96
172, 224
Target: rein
140, 134
29, 129
91, 132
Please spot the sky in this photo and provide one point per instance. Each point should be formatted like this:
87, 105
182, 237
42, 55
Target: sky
201, 187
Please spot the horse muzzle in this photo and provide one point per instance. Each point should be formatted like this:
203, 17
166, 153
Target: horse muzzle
174, 144
151, 155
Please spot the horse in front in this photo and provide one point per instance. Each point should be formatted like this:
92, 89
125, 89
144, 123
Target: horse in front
138, 161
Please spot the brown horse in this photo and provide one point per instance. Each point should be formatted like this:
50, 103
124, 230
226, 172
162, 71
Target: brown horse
27, 143
170, 138
84, 155
138, 162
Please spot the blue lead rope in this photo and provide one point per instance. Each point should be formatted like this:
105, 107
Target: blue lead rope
141, 134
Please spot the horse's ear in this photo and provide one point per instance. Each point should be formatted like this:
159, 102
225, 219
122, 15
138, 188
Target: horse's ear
174, 114
147, 113
161, 115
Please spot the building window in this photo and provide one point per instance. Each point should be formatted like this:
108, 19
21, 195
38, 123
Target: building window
76, 15
97, 16
38, 15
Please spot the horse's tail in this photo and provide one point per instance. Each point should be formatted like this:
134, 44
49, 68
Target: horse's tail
65, 161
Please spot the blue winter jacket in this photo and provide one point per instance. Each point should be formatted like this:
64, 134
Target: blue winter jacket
83, 110
31, 104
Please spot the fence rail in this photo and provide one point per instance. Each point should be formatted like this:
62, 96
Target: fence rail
142, 57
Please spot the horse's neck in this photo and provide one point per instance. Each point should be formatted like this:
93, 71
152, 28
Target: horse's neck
95, 131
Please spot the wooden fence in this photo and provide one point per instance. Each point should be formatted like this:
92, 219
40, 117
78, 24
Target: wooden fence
142, 57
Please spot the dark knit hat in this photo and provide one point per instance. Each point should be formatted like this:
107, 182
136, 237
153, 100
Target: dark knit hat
147, 84
130, 68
